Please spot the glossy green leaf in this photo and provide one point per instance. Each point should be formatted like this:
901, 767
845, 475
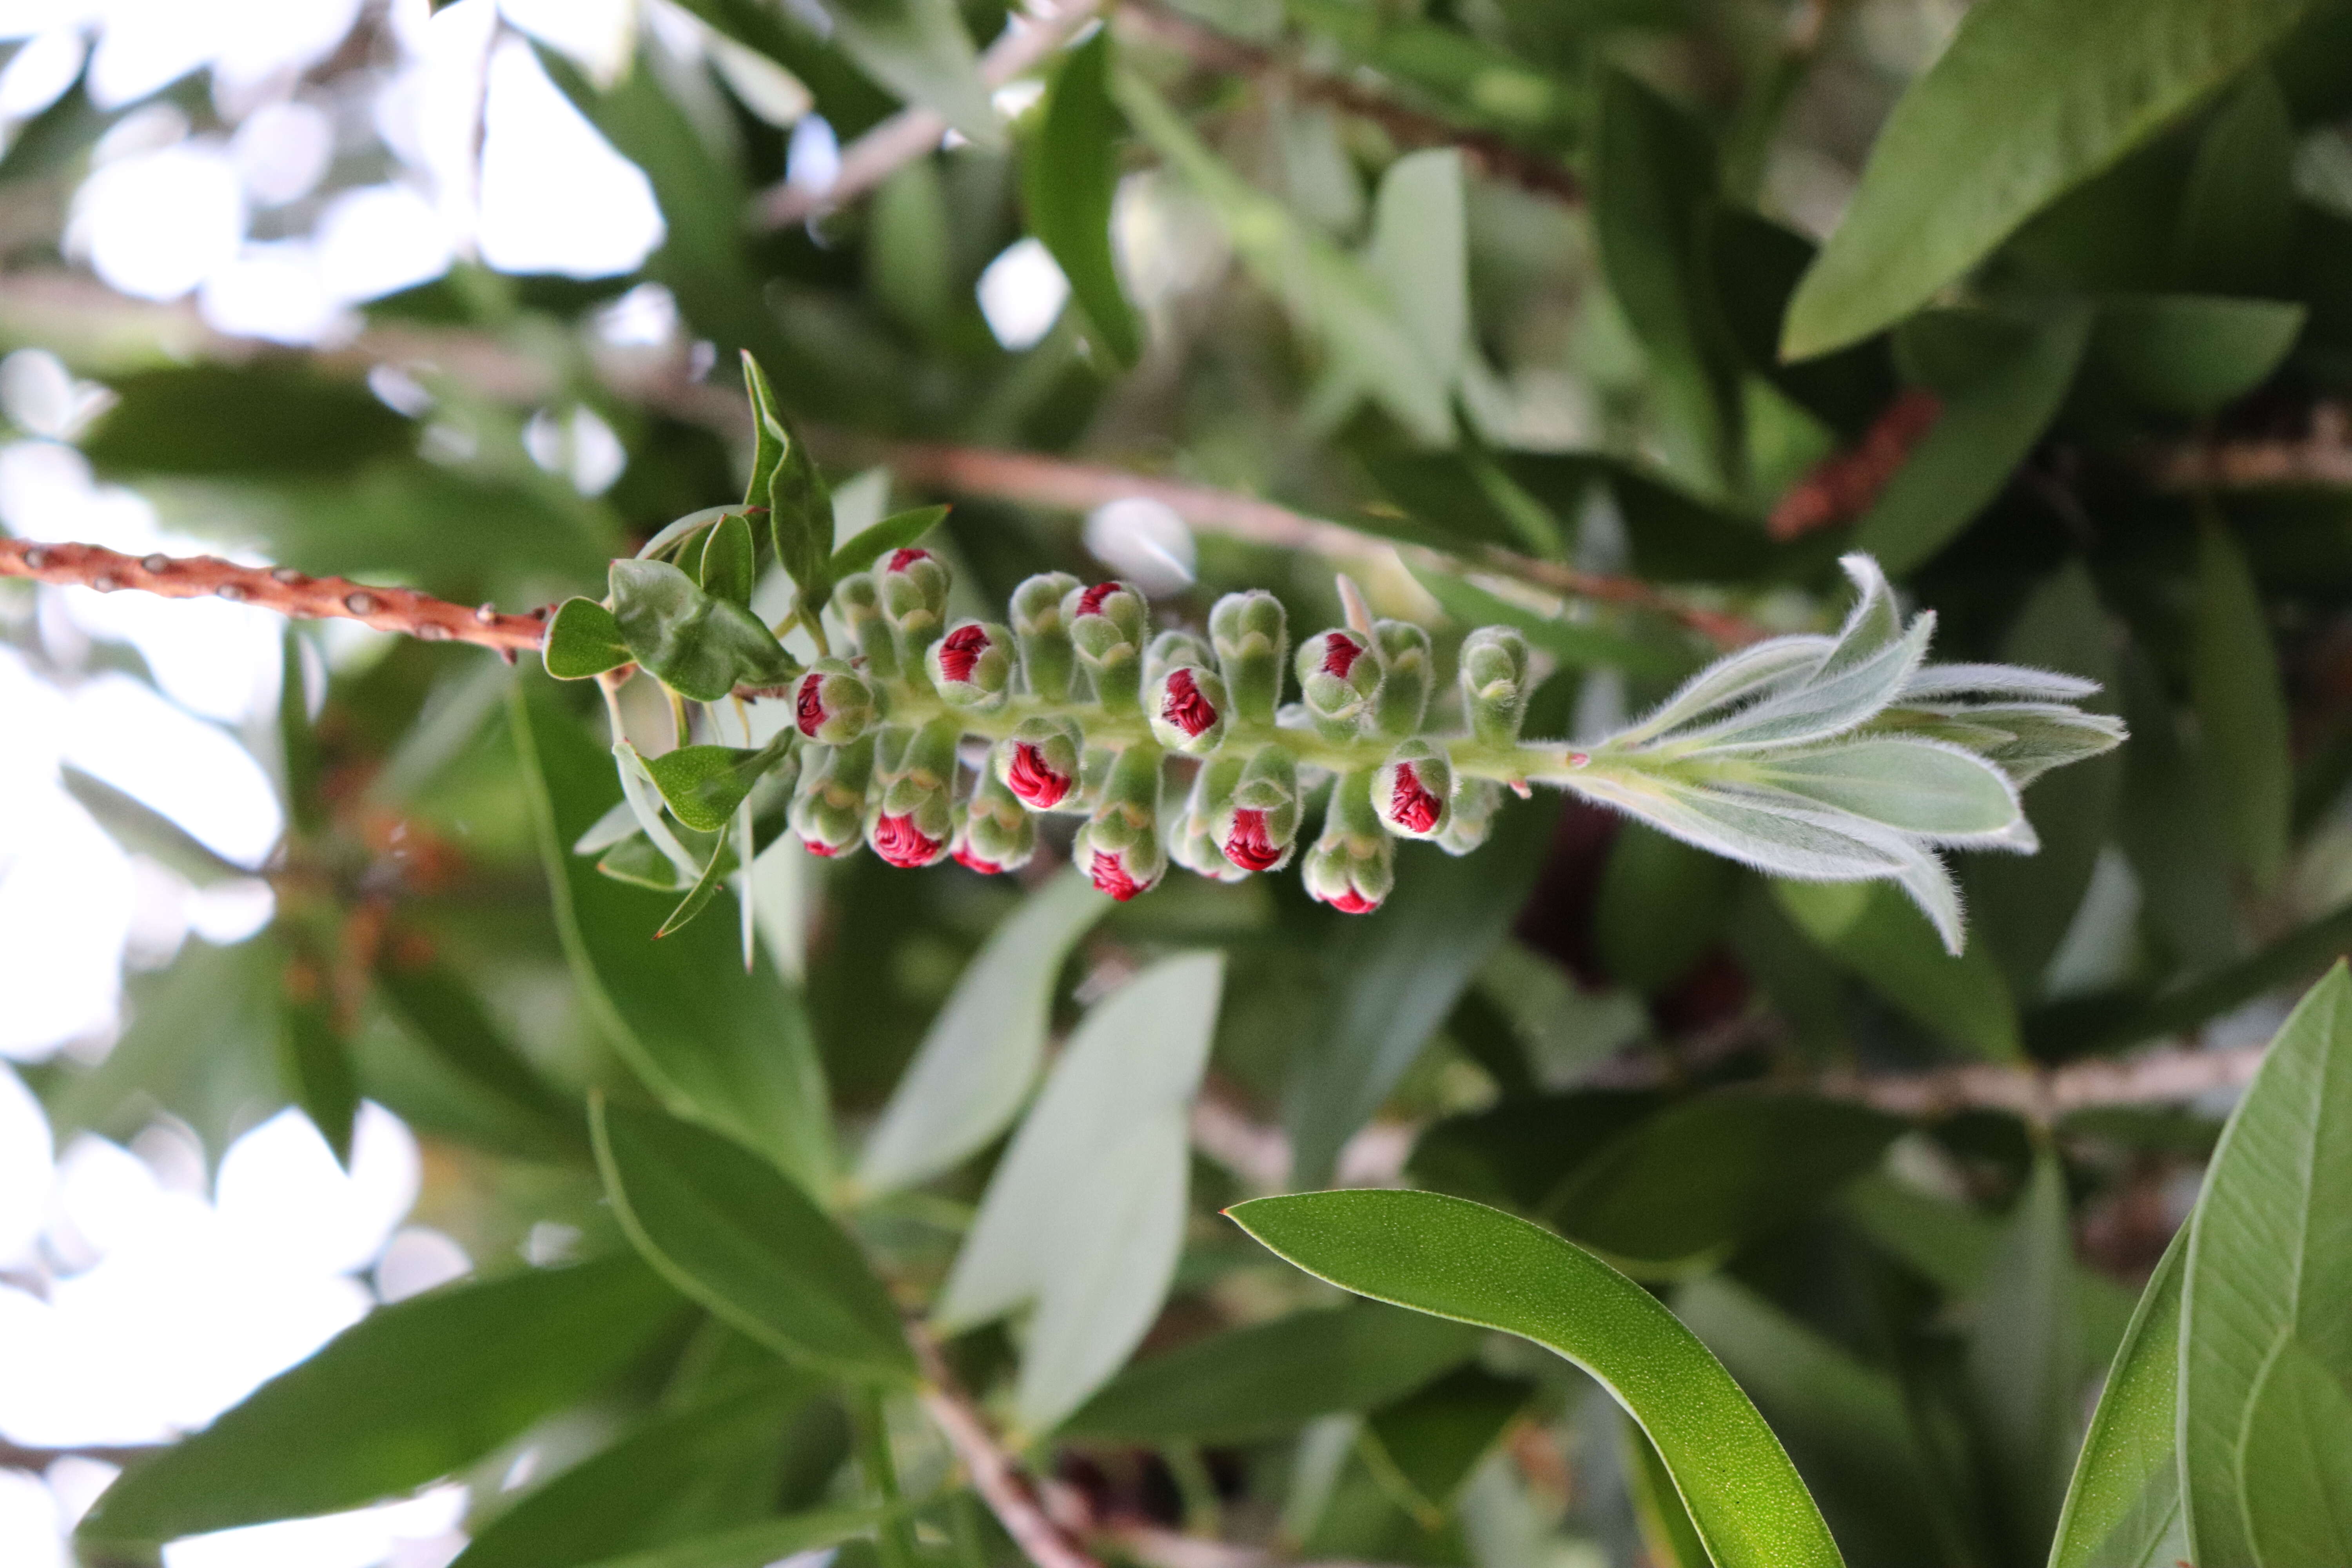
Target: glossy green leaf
277, 415
1462, 1260
1395, 975
2192, 354
703, 786
1668, 1537
1084, 1215
1871, 930
786, 480
919, 50
2270, 1257
705, 888
729, 563
2123, 1506
446, 1016
981, 1054
733, 1233
1994, 413
635, 1494
2236, 228
2295, 1467
2022, 1371
769, 436
713, 1043
1270, 1377
1069, 173
404, 1396
2242, 713
2079, 82
896, 531
698, 646
316, 1062
753, 1545
1683, 1189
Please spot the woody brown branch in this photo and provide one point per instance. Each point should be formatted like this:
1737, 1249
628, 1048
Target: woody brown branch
995, 1475
280, 588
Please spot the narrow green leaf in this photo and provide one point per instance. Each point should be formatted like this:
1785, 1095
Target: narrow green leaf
2079, 83
1993, 415
1669, 1536
635, 1494
2123, 1506
2022, 1365
316, 1060
703, 786
2233, 680
2236, 232
1419, 253
697, 646
729, 562
143, 830
919, 50
753, 1545
2295, 1467
733, 1233
445, 1014
1575, 644
1871, 930
2270, 1255
407, 1395
1270, 1377
1084, 1216
896, 531
298, 743
1430, 1440
2192, 354
768, 433
706, 886
1462, 1260
981, 1053
1068, 175
713, 1043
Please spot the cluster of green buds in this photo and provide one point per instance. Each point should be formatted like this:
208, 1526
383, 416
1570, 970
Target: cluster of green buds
1827, 757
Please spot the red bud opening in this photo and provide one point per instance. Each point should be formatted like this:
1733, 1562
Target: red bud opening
1110, 875
1341, 653
1186, 706
808, 707
1248, 846
902, 559
897, 840
1090, 602
1411, 805
1030, 778
1352, 903
962, 650
965, 857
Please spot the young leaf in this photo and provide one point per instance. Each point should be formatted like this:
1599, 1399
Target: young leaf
1962, 997
1937, 791
749, 1545
919, 50
584, 639
2190, 353
729, 560
2080, 83
2236, 232
1991, 420
2123, 1505
733, 1233
704, 785
2022, 1365
1270, 1377
407, 1395
697, 646
1085, 1214
981, 1053
1068, 175
896, 531
1458, 1259
711, 1042
2270, 1258
2234, 684
768, 440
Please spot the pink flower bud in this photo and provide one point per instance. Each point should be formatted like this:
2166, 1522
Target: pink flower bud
1414, 791
897, 840
965, 856
962, 650
1184, 707
1341, 653
901, 560
1032, 778
1249, 845
1111, 876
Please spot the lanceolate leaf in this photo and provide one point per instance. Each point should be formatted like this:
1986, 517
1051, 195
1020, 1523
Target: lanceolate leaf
1069, 173
977, 1063
704, 785
2079, 83
2234, 682
2021, 1364
404, 1396
1458, 1259
1085, 1214
896, 531
2294, 1467
2269, 1262
729, 560
2123, 1507
2193, 354
737, 1236
711, 1041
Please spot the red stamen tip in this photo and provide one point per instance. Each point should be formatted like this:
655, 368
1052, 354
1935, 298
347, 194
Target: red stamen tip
1341, 653
1186, 707
1090, 602
1411, 805
1248, 846
897, 840
965, 857
808, 707
1111, 876
902, 559
1030, 778
1352, 903
960, 650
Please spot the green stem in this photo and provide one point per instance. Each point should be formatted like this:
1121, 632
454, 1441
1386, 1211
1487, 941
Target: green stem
895, 1541
1197, 1490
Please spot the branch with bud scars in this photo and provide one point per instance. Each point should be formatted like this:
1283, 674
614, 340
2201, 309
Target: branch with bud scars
1827, 758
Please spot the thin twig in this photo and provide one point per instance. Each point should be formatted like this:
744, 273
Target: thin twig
912, 132
279, 588
1492, 155
2319, 459
1035, 479
996, 1476
22, 1457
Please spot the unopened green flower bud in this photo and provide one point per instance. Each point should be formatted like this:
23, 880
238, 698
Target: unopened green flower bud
1495, 683
1414, 791
1251, 639
1258, 826
828, 809
857, 600
1119, 846
997, 833
1187, 709
1170, 649
1039, 762
914, 599
1192, 838
1476, 802
971, 666
1352, 866
1339, 674
1045, 636
1108, 623
913, 820
832, 703
1404, 699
